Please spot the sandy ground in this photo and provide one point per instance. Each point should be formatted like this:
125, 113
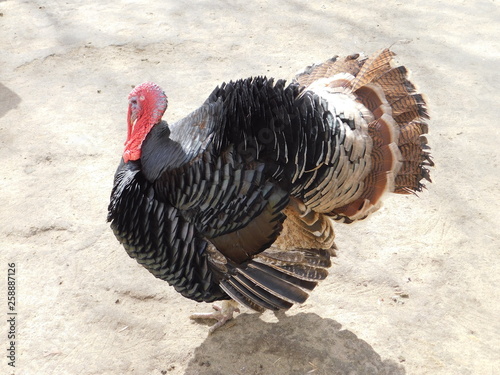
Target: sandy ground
414, 289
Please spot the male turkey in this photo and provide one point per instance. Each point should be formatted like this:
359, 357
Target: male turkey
237, 200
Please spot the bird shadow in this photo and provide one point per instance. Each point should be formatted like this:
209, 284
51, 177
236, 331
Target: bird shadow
304, 343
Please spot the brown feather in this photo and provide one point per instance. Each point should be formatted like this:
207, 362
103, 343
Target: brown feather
374, 67
305, 229
350, 64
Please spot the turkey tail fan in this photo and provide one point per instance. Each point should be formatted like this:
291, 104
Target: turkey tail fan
385, 156
409, 110
400, 157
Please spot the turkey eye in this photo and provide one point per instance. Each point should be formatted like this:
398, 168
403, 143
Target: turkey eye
133, 101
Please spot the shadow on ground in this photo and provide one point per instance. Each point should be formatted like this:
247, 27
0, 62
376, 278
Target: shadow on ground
8, 100
301, 344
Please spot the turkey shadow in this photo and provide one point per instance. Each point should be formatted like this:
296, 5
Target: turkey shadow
301, 344
8, 100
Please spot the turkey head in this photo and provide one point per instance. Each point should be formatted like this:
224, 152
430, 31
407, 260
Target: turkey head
146, 105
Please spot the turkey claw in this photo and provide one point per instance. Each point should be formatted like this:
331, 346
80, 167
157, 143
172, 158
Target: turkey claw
223, 313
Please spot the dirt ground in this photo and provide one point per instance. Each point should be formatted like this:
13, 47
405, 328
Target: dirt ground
415, 288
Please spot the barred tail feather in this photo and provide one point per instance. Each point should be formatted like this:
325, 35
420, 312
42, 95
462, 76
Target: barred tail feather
277, 280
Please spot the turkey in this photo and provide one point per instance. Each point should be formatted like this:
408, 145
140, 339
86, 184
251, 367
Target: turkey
237, 200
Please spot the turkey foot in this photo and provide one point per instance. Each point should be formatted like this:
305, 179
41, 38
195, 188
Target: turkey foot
223, 313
